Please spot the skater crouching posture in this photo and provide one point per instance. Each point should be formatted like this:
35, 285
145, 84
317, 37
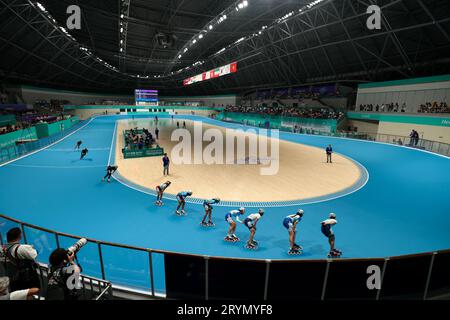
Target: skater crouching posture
109, 171
181, 197
84, 152
207, 204
328, 232
290, 223
251, 222
160, 192
78, 145
229, 217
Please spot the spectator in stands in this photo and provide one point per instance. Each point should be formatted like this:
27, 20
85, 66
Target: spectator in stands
435, 107
414, 138
19, 262
62, 266
301, 112
24, 294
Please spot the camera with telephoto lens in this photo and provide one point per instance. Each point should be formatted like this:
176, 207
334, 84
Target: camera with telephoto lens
77, 246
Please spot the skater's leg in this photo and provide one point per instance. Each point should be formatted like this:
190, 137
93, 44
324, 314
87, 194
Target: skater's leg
204, 217
252, 235
232, 228
331, 241
210, 216
292, 239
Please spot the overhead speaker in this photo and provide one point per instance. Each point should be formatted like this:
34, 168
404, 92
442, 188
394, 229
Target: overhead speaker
165, 40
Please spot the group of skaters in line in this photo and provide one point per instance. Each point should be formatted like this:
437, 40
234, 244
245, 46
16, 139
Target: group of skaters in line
290, 222
233, 217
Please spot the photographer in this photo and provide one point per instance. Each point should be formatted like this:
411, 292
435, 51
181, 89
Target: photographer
64, 273
25, 294
19, 262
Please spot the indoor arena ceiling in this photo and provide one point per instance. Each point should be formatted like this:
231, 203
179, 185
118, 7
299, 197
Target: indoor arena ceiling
124, 44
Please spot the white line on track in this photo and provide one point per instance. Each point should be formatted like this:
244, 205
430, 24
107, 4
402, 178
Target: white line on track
53, 167
73, 150
112, 143
288, 203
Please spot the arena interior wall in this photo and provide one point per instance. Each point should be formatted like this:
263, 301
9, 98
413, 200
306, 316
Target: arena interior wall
434, 128
31, 94
413, 92
208, 101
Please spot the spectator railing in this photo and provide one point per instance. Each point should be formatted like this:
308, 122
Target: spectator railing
419, 276
16, 151
422, 144
91, 288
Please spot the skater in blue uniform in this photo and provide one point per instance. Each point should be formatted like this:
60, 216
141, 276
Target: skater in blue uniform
290, 223
326, 228
160, 192
181, 197
230, 217
208, 206
250, 222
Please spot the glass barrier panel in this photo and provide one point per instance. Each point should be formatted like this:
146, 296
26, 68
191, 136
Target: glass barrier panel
44, 242
347, 279
440, 276
127, 267
405, 277
88, 256
229, 279
185, 276
159, 272
300, 287
5, 226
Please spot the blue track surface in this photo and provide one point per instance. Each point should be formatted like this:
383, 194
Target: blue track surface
404, 207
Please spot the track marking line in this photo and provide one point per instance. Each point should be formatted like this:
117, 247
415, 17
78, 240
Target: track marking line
46, 147
113, 144
74, 150
269, 204
53, 167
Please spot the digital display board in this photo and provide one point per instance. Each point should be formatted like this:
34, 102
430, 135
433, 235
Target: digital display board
146, 97
212, 74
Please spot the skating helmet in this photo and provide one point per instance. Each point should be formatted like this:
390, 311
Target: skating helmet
300, 212
332, 215
242, 209
261, 211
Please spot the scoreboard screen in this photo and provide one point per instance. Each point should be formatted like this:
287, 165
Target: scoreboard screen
146, 97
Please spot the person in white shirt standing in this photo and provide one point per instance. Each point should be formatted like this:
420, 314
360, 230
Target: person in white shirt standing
328, 232
250, 222
19, 262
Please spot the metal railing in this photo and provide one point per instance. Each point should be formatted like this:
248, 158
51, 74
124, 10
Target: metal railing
91, 288
17, 151
437, 147
147, 271
326, 281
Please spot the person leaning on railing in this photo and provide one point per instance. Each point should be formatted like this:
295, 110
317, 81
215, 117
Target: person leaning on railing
63, 276
19, 262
